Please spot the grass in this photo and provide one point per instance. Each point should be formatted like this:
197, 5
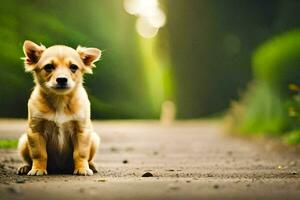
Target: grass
8, 143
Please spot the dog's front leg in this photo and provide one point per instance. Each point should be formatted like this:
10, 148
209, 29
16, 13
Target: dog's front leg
38, 153
82, 145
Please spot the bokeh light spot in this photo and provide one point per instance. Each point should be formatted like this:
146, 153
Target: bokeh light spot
145, 29
150, 16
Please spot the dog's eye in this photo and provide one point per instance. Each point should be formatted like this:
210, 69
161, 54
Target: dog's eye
49, 67
73, 68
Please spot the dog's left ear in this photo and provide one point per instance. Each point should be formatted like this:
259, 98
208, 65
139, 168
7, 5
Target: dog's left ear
89, 56
32, 53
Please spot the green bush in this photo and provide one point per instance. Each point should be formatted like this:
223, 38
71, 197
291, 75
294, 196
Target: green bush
265, 111
269, 107
292, 137
276, 63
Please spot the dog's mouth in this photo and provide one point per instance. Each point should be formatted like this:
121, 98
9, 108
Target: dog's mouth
61, 87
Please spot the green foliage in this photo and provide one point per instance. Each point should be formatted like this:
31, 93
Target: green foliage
292, 137
276, 62
8, 144
265, 112
117, 87
269, 107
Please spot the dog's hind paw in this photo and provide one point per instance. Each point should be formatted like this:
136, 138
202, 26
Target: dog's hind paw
37, 172
24, 169
83, 172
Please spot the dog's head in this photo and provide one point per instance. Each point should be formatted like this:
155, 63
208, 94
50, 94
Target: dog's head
59, 69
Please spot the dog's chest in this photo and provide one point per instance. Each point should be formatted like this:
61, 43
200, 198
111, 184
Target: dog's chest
60, 117
63, 128
59, 135
59, 126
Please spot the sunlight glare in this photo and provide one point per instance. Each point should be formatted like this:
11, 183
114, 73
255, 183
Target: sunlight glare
150, 16
145, 29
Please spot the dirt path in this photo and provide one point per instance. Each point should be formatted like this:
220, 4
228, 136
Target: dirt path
189, 160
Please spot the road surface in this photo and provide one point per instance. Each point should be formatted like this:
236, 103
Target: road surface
188, 160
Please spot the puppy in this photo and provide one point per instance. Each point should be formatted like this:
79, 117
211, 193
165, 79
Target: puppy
60, 136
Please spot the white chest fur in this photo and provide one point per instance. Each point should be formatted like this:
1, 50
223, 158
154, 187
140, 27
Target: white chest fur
60, 117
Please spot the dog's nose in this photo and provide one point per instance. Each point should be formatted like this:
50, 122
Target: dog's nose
61, 80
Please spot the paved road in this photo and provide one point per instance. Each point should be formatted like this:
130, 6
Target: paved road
188, 160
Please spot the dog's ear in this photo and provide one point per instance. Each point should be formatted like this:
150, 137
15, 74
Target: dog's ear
32, 53
89, 56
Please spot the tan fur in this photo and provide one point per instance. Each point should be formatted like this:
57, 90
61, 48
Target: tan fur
60, 136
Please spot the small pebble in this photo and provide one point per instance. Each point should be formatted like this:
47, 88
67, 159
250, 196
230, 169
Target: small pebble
147, 174
174, 188
129, 149
81, 190
113, 149
125, 161
216, 186
20, 181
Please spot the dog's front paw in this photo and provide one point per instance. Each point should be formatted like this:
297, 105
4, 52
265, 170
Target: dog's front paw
24, 169
37, 172
83, 172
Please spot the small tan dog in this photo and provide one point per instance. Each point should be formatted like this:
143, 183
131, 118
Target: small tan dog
60, 136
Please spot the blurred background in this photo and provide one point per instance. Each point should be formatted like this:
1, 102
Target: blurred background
193, 56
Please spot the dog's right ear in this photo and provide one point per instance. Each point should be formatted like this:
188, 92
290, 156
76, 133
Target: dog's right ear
32, 53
